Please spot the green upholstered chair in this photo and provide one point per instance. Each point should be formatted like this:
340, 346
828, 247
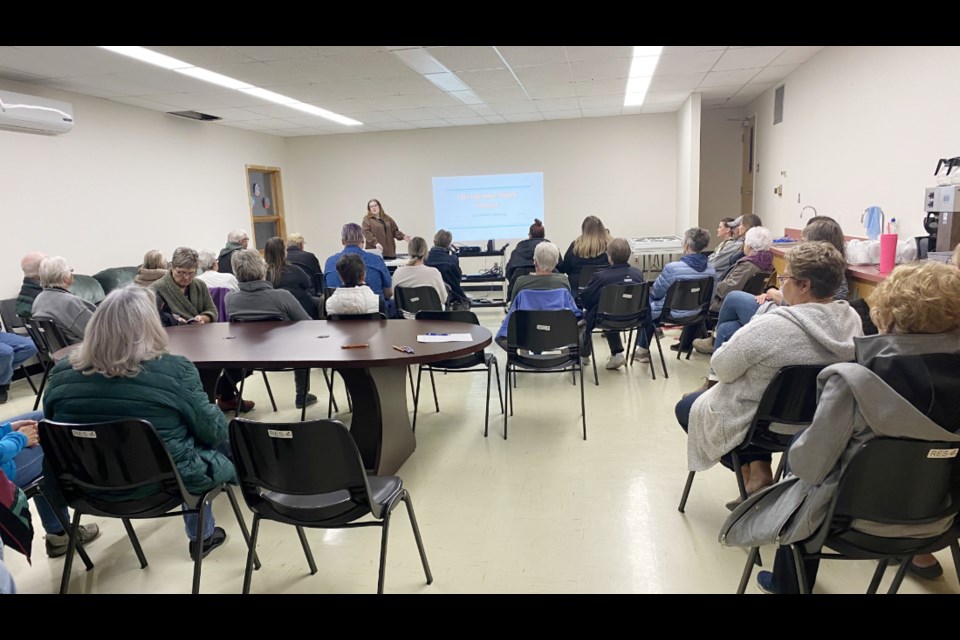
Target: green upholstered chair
88, 288
115, 277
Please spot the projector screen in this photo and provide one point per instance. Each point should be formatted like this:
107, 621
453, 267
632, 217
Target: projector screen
483, 207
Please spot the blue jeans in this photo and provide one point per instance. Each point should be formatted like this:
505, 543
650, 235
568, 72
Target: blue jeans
29, 464
7, 584
14, 350
190, 519
737, 309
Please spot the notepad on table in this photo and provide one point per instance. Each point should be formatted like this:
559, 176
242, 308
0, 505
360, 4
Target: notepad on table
444, 337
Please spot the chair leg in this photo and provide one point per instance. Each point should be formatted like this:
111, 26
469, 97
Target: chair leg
243, 378
410, 376
486, 415
65, 525
741, 485
416, 395
329, 381
877, 576
686, 491
135, 542
507, 391
898, 578
385, 529
26, 374
68, 559
747, 568
266, 382
43, 382
496, 371
663, 362
433, 385
248, 570
801, 570
416, 534
593, 360
240, 521
583, 403
781, 466
197, 563
955, 552
306, 550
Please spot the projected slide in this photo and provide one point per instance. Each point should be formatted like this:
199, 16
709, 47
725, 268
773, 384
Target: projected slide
484, 207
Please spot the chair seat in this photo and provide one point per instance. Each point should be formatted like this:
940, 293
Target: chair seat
473, 360
542, 362
856, 544
336, 507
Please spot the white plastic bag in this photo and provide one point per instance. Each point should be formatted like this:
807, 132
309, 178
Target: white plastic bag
906, 251
863, 252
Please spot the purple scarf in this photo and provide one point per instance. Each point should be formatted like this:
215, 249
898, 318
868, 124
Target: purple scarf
763, 260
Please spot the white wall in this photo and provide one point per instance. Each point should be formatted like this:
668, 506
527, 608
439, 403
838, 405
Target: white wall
862, 126
688, 164
622, 169
124, 181
720, 173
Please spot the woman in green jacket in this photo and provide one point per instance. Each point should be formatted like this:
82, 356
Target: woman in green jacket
123, 370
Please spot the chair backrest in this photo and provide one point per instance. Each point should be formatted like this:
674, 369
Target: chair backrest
300, 459
39, 341
586, 274
118, 468
540, 331
51, 332
757, 282
357, 316
87, 288
115, 277
622, 306
219, 297
8, 314
264, 318
414, 299
451, 316
791, 399
687, 295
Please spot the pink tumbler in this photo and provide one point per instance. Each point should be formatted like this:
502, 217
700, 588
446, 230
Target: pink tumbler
888, 251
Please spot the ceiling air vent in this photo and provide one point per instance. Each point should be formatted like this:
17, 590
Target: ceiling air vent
194, 115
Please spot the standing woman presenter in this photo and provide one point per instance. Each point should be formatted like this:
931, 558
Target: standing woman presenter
380, 230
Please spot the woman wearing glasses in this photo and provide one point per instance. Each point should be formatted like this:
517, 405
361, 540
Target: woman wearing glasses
812, 328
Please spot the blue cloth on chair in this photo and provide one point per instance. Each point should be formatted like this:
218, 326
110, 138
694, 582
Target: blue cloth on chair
873, 221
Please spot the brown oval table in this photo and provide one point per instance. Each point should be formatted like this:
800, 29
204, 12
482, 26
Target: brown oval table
375, 376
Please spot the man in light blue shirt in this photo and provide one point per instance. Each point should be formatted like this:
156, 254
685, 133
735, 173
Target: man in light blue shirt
378, 276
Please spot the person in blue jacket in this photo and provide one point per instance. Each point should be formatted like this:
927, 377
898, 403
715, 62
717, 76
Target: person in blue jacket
691, 266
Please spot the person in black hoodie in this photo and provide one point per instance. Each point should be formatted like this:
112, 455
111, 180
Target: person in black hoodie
447, 263
306, 261
521, 258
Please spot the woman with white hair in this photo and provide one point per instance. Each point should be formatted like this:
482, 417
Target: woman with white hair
69, 312
546, 256
123, 370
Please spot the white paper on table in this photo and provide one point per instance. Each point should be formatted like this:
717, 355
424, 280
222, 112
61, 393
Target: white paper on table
450, 337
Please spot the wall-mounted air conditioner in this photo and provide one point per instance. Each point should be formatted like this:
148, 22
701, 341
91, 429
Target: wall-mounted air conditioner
31, 114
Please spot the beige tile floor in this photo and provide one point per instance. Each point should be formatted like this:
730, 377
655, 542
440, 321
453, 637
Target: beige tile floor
543, 512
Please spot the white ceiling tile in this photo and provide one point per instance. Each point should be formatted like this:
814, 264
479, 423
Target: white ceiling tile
62, 62
372, 117
145, 103
302, 131
738, 101
725, 91
483, 110
673, 50
775, 73
250, 125
681, 64
221, 98
204, 56
505, 94
754, 89
523, 117
525, 56
394, 126
230, 114
458, 111
687, 81
73, 87
112, 84
264, 54
600, 69
467, 58
601, 112
797, 55
723, 78
562, 115
275, 111
304, 70
489, 79
165, 81
601, 87
495, 119
632, 109
544, 74
661, 97
505, 108
435, 99
431, 124
410, 115
564, 90
557, 104
747, 57
342, 50
577, 54
381, 64
601, 102
275, 123
667, 107
258, 74
464, 122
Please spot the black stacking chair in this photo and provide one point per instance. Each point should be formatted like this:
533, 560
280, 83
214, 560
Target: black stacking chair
35, 489
310, 474
48, 339
586, 274
622, 307
893, 481
789, 399
685, 295
415, 299
552, 340
464, 364
12, 322
123, 470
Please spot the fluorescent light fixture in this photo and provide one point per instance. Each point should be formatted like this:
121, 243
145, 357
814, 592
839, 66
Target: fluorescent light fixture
216, 78
642, 66
467, 97
420, 60
152, 57
447, 81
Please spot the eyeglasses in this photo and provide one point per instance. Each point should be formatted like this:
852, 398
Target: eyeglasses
782, 279
185, 273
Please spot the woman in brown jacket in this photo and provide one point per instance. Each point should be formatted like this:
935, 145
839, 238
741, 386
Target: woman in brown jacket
380, 230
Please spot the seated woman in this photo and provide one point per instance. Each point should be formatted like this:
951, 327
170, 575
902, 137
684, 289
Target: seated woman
895, 409
725, 234
521, 258
545, 258
123, 370
447, 263
55, 303
739, 307
21, 459
588, 250
691, 266
258, 300
813, 329
283, 275
353, 297
417, 274
153, 268
183, 299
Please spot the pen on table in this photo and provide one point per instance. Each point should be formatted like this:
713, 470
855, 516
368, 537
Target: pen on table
403, 349
438, 334
354, 346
